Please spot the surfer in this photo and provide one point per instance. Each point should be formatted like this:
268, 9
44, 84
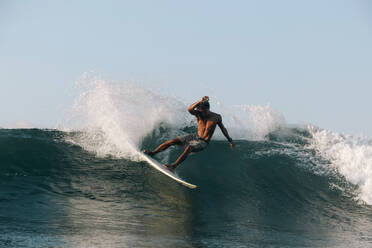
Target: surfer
207, 122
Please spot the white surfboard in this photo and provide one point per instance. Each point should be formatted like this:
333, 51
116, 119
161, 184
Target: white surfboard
163, 169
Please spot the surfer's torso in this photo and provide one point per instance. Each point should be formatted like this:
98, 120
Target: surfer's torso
207, 124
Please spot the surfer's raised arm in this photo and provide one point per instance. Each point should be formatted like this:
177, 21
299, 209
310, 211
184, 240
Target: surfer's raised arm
224, 131
192, 107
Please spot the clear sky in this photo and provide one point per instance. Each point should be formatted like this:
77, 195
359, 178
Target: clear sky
311, 60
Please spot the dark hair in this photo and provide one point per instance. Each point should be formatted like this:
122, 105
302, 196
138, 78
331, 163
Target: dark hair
204, 105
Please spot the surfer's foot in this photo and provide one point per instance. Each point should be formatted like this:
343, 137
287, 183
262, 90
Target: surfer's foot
148, 152
170, 167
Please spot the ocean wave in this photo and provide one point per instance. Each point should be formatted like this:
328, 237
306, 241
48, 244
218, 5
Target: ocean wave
117, 119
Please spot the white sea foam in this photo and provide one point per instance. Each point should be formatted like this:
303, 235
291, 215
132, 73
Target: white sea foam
349, 155
251, 122
115, 117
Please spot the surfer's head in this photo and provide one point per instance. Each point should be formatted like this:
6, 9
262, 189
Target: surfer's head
204, 106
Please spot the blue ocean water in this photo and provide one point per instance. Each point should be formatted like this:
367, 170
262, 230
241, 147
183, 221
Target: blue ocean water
267, 193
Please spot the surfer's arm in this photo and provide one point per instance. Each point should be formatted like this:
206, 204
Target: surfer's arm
192, 107
225, 133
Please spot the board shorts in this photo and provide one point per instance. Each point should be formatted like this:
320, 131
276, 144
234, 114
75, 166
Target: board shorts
197, 144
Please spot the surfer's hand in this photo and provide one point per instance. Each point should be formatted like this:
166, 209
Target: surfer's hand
205, 99
232, 144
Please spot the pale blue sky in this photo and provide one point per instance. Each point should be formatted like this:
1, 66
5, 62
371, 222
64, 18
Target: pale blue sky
311, 60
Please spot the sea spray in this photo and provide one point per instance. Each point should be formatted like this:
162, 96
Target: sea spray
349, 155
116, 117
252, 122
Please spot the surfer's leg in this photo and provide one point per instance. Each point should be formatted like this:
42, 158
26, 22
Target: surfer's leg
165, 145
181, 158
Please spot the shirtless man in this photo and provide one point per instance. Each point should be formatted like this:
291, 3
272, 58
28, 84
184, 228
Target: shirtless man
207, 122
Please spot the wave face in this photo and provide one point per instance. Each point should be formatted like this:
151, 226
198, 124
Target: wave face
274, 192
83, 185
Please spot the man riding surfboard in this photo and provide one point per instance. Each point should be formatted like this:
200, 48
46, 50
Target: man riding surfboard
207, 122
